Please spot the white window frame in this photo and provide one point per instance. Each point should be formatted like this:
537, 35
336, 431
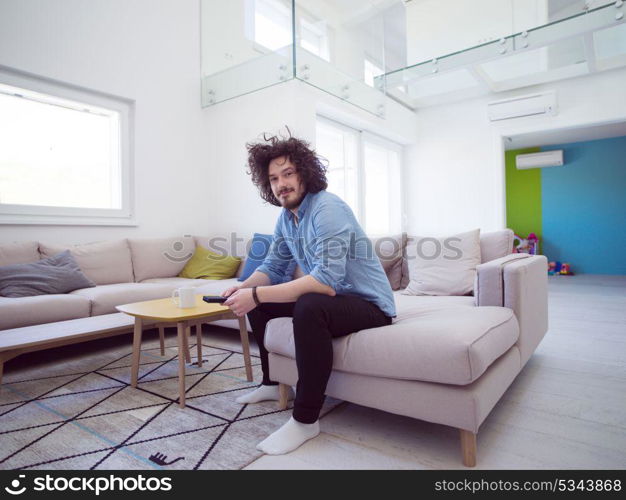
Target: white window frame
59, 93
364, 136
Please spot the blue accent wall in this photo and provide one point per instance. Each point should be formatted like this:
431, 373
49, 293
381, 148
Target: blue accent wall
584, 207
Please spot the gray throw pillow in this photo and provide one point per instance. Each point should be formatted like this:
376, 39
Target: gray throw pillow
57, 274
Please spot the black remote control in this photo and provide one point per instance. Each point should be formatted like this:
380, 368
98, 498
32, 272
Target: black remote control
214, 299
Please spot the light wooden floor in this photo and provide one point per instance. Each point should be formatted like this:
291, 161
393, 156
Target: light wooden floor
567, 409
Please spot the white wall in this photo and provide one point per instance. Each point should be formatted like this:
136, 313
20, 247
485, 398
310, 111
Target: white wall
436, 28
145, 50
455, 171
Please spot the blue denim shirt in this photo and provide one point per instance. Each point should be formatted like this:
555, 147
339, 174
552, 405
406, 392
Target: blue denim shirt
329, 244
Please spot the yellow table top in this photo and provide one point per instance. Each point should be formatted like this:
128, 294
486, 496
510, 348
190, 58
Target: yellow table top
166, 310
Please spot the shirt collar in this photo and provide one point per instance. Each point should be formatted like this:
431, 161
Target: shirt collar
306, 201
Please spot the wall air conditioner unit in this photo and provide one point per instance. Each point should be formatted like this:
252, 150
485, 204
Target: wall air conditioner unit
539, 160
528, 105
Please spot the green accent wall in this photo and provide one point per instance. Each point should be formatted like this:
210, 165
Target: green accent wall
523, 196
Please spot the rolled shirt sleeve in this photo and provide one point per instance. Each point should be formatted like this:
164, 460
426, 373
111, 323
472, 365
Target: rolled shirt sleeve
331, 246
277, 259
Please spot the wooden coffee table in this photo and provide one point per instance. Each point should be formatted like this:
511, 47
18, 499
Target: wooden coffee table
165, 311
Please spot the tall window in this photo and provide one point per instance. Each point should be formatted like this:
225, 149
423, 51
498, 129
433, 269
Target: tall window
272, 23
61, 158
272, 27
365, 171
314, 37
370, 71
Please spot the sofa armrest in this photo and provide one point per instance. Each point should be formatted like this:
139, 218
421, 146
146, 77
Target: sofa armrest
519, 282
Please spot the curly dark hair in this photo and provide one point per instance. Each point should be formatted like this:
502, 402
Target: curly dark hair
309, 166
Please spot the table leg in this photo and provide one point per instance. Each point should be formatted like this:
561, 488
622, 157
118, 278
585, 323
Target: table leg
182, 350
134, 374
199, 343
162, 339
186, 340
245, 345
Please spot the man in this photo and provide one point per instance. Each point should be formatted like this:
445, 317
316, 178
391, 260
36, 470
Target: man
344, 288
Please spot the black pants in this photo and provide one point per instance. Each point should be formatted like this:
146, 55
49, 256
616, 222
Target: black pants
317, 319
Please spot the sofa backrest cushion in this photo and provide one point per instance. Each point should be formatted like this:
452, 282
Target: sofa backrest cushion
19, 253
160, 257
443, 266
389, 250
210, 266
493, 245
496, 244
226, 243
103, 262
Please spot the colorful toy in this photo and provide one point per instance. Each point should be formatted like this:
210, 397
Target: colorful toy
528, 245
533, 243
552, 268
558, 268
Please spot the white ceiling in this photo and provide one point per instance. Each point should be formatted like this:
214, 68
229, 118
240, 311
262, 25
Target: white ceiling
564, 136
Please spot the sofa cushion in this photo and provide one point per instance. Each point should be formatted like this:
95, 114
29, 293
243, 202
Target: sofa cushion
448, 346
102, 262
160, 257
208, 265
217, 287
495, 245
53, 275
259, 248
176, 282
410, 306
443, 266
26, 311
104, 298
19, 253
389, 250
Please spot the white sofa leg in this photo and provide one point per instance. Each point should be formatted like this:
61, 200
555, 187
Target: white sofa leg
468, 448
283, 391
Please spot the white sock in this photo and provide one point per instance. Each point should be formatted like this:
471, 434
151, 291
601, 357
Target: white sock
289, 437
264, 393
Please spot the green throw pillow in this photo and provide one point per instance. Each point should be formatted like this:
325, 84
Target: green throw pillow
208, 265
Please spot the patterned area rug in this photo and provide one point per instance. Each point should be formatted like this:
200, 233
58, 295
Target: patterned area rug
81, 412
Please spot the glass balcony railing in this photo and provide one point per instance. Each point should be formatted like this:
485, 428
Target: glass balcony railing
417, 52
578, 40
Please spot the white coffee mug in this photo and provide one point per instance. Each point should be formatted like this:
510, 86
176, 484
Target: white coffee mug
184, 297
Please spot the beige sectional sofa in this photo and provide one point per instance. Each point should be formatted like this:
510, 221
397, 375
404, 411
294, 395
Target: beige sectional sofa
446, 360
125, 271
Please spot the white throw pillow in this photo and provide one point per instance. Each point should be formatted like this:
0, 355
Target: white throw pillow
443, 266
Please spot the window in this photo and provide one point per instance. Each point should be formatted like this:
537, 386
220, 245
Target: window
62, 160
339, 145
272, 27
365, 171
371, 71
314, 38
272, 24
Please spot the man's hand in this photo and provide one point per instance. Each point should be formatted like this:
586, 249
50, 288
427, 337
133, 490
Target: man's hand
229, 291
240, 301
